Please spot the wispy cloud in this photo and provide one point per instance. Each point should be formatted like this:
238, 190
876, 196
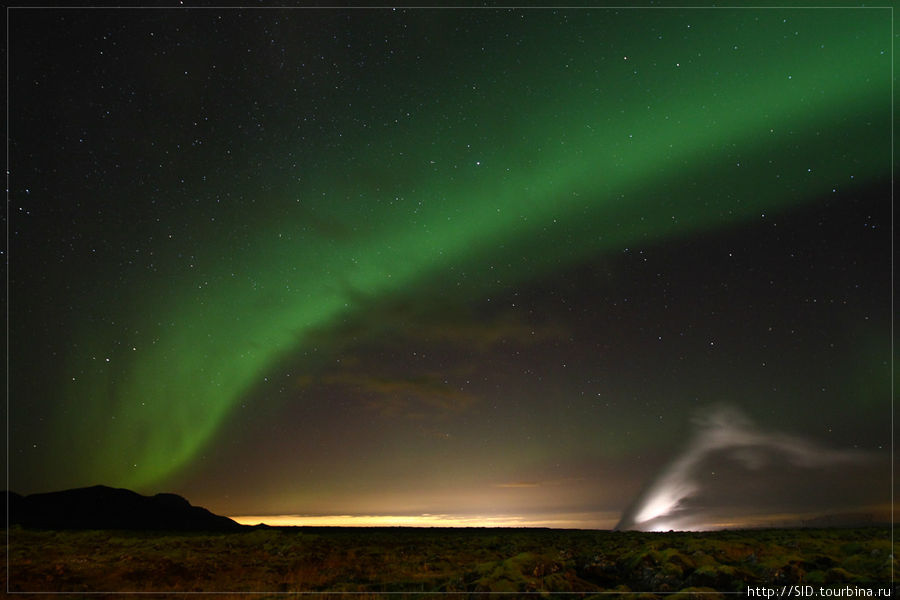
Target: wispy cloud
538, 483
413, 397
481, 335
519, 484
722, 430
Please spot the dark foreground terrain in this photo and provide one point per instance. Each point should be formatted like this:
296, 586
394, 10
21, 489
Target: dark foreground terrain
344, 561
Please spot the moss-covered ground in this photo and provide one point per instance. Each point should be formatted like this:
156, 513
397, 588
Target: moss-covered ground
380, 562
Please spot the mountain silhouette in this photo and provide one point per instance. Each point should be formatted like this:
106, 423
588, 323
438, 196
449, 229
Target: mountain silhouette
103, 507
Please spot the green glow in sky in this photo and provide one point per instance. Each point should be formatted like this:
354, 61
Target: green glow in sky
596, 133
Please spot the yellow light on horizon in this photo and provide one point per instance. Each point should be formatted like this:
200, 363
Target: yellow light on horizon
425, 520
601, 520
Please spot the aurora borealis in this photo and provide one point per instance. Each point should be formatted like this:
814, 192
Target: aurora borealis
434, 261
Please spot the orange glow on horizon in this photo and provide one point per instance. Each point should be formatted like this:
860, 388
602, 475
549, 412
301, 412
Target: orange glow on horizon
425, 520
601, 520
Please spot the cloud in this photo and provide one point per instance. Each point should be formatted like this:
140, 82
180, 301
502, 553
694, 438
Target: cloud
724, 436
420, 314
540, 483
406, 357
413, 397
481, 335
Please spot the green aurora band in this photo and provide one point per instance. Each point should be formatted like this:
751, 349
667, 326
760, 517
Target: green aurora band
542, 170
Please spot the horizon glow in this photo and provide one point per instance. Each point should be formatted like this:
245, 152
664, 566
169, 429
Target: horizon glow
561, 521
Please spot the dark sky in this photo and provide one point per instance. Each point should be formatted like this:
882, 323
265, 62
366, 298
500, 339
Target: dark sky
511, 264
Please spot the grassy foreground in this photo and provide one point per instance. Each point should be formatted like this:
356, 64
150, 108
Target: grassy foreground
342, 562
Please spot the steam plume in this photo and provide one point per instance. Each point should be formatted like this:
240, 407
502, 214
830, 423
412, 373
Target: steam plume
724, 429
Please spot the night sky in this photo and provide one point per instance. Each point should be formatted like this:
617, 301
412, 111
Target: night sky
512, 266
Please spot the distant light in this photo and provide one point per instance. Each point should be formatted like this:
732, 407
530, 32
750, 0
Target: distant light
424, 520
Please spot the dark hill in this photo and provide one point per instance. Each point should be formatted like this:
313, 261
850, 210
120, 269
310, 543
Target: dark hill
102, 507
